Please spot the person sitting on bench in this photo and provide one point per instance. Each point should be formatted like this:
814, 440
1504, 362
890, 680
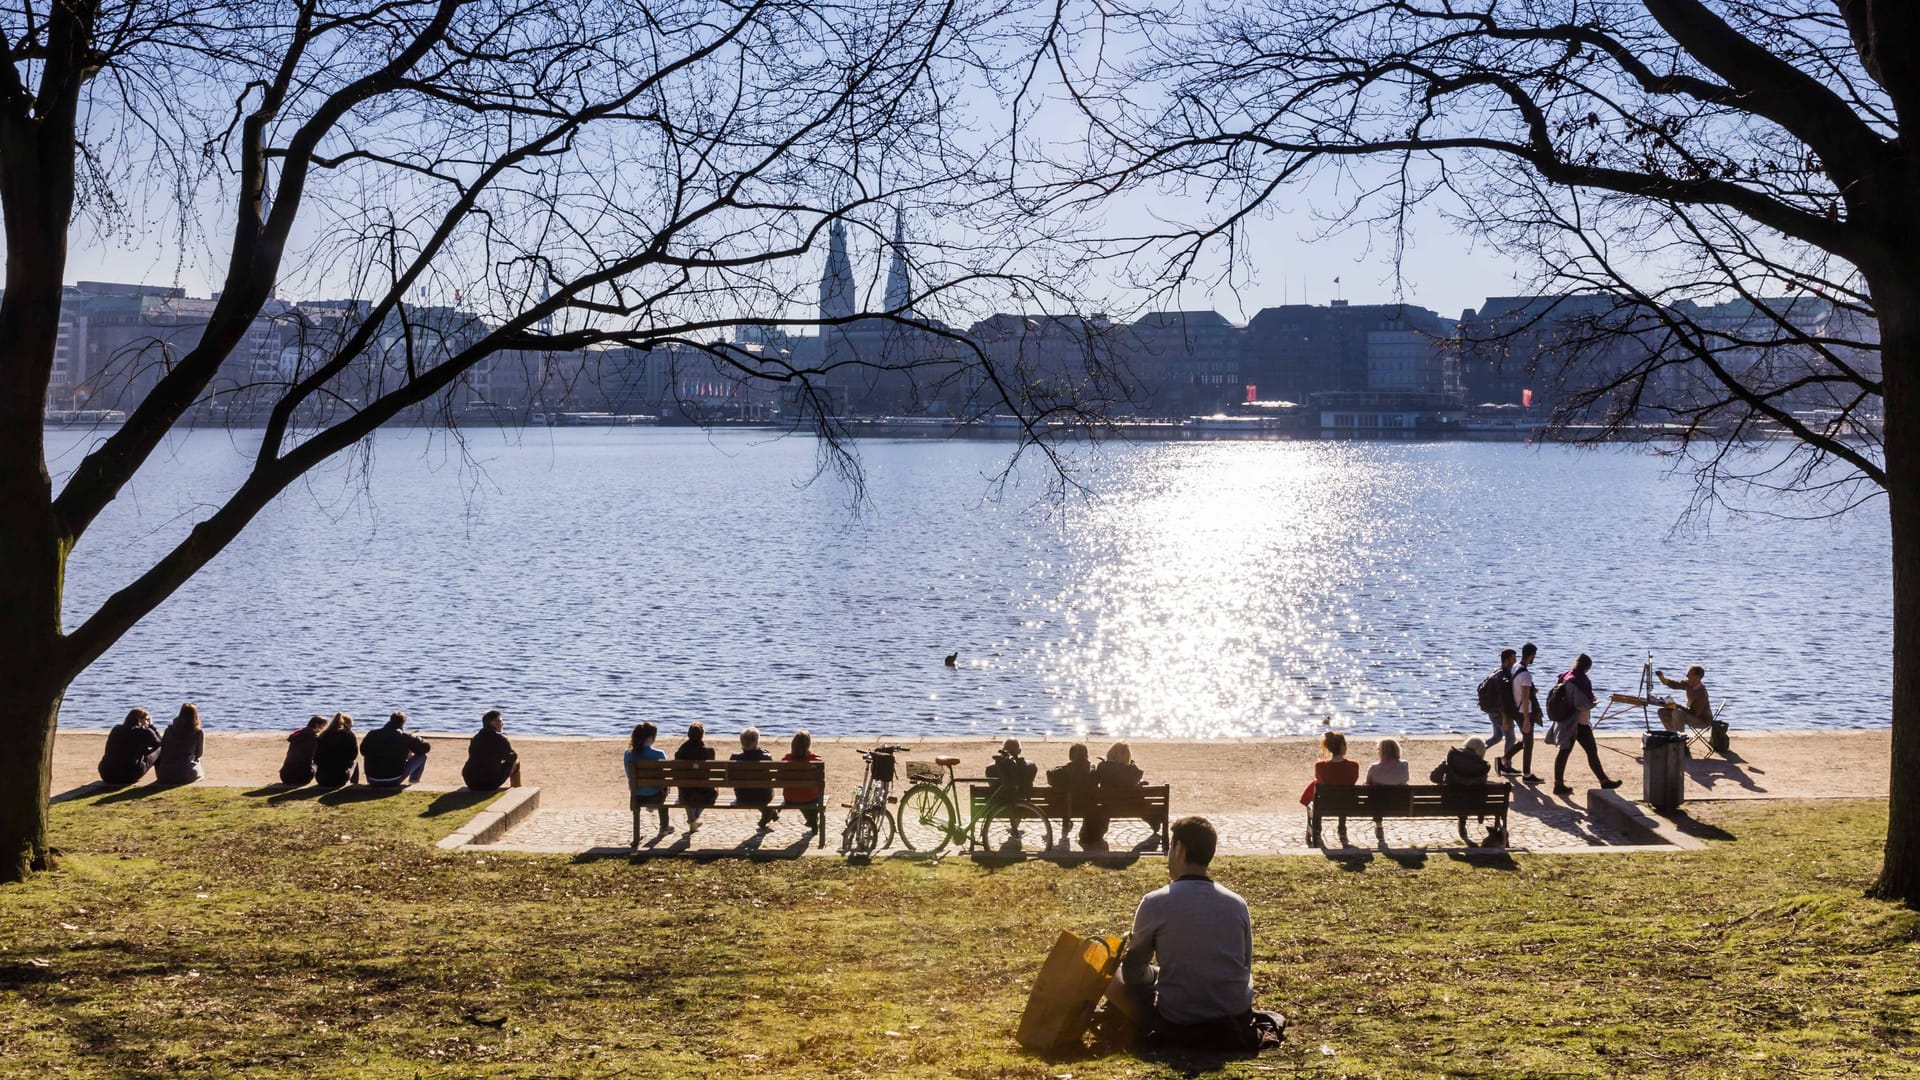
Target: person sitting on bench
1073, 782
694, 797
1118, 774
1187, 978
801, 749
491, 758
393, 757
132, 748
763, 797
640, 748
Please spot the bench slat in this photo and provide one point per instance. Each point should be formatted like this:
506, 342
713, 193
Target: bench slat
730, 774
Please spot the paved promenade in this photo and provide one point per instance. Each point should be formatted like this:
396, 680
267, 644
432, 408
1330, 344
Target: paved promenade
1249, 788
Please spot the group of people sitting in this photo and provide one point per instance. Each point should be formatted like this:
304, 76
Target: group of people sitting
324, 752
1078, 778
694, 800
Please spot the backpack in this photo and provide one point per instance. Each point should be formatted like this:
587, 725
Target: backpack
1496, 693
1560, 708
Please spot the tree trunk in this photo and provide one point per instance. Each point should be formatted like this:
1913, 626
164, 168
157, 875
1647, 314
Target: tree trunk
1900, 352
26, 772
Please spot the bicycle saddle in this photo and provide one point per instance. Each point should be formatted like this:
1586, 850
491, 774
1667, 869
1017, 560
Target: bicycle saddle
946, 761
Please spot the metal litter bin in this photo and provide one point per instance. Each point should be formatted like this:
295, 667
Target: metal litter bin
1665, 777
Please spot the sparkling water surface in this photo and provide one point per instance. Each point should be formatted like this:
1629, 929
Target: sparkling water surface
583, 580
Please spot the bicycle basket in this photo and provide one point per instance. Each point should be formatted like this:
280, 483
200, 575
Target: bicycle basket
883, 768
924, 772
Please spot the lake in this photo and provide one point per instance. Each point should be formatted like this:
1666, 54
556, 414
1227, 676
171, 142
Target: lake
583, 580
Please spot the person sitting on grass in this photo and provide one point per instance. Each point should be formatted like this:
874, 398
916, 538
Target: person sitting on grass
1073, 786
762, 797
1187, 978
1389, 770
336, 757
393, 756
491, 758
694, 797
297, 769
1116, 774
802, 750
132, 747
640, 748
180, 749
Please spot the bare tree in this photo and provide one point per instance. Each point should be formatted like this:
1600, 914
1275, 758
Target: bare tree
484, 178
1670, 155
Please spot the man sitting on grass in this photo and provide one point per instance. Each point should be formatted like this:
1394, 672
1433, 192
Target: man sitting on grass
1187, 979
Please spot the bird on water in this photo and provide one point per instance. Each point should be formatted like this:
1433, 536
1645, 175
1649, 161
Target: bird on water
953, 659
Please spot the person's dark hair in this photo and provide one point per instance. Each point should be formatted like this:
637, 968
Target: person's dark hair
1507, 656
1195, 835
397, 720
1696, 672
490, 716
188, 717
1529, 650
135, 716
1077, 752
643, 732
1581, 665
316, 722
697, 733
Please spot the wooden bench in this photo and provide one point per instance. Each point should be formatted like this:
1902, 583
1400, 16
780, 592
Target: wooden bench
1343, 801
680, 775
1148, 804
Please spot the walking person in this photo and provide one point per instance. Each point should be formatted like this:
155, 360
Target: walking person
1578, 689
491, 758
1526, 700
180, 749
1496, 700
297, 769
132, 747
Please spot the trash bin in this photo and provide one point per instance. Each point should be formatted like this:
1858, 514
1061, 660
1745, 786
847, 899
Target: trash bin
1665, 777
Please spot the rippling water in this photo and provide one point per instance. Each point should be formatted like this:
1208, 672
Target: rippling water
583, 580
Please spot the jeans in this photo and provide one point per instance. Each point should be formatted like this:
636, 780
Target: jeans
410, 773
1502, 732
1583, 735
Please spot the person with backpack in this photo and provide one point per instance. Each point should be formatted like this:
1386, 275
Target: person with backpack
1574, 707
1526, 699
1496, 700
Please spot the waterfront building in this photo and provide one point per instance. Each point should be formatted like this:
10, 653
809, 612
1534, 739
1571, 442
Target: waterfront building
1186, 362
1296, 350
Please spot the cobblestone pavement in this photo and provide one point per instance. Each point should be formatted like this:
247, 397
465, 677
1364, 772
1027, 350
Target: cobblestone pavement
1538, 825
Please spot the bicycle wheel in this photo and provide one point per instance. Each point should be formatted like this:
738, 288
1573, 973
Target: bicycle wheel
1016, 829
872, 831
925, 818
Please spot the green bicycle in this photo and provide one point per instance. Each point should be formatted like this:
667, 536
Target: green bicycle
997, 823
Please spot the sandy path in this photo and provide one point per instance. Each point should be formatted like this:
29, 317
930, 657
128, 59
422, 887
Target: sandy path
1236, 776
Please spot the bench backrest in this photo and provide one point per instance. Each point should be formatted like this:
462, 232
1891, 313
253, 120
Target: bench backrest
1059, 802
730, 774
1412, 800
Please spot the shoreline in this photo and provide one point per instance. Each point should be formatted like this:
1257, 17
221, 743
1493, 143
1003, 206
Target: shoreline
1207, 776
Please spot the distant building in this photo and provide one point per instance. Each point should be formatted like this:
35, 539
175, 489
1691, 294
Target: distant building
1185, 362
1297, 350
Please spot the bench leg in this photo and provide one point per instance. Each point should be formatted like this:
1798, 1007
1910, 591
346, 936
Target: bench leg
1343, 833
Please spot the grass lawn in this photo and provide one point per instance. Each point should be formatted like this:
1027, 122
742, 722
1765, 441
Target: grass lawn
215, 933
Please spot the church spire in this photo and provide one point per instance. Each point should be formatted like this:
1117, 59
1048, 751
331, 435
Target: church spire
899, 289
836, 285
